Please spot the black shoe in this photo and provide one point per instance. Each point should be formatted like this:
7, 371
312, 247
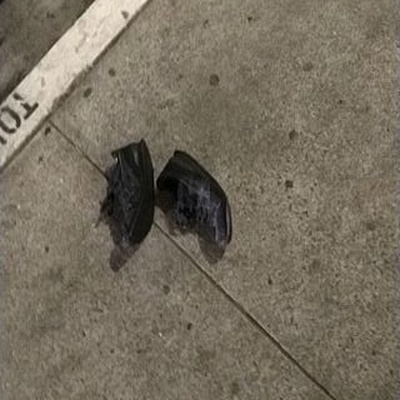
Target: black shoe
129, 205
196, 199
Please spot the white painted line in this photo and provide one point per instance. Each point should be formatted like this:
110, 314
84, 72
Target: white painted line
37, 95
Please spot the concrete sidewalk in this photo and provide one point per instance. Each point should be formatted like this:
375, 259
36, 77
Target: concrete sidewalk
291, 106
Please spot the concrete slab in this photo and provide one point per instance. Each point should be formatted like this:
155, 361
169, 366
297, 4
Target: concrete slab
27, 31
77, 330
290, 105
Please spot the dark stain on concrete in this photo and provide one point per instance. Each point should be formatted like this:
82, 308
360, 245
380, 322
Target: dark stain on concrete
214, 80
293, 134
112, 72
166, 289
235, 388
87, 93
288, 184
315, 266
308, 66
370, 225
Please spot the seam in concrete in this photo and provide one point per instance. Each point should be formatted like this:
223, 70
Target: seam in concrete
77, 147
246, 314
31, 103
238, 306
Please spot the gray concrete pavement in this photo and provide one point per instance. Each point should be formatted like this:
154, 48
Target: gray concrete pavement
28, 29
75, 329
299, 128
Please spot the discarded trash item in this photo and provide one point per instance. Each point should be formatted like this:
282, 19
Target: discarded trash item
196, 200
129, 205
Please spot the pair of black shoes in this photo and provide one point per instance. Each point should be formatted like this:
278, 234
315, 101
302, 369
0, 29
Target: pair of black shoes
190, 196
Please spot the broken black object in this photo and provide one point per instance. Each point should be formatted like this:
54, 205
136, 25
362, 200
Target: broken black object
129, 205
195, 199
